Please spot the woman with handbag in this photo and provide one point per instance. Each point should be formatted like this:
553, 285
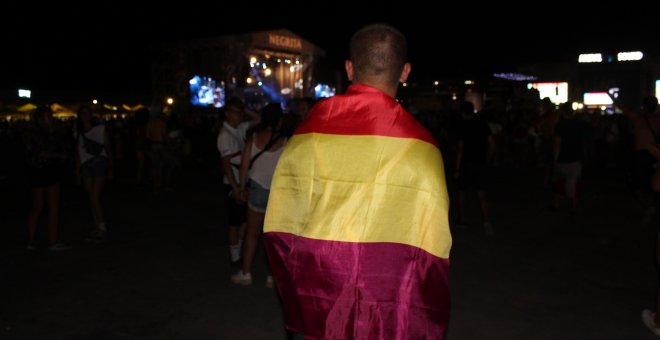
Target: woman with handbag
260, 155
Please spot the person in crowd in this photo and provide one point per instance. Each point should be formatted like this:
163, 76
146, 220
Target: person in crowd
163, 159
230, 144
94, 164
260, 155
46, 151
568, 155
544, 127
474, 149
650, 318
360, 187
646, 130
141, 143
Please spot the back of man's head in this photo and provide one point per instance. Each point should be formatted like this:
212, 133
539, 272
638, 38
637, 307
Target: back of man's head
378, 53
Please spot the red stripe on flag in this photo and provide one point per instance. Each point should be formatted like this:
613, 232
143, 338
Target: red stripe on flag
346, 290
364, 110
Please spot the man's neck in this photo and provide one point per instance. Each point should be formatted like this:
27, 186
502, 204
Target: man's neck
390, 90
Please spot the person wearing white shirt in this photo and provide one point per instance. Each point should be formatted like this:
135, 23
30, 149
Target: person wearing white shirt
230, 143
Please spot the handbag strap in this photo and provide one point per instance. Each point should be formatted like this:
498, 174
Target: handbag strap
271, 142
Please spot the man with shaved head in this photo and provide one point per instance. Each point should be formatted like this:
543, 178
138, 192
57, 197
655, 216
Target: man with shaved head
357, 233
378, 57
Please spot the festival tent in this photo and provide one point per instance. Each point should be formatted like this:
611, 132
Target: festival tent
26, 107
60, 111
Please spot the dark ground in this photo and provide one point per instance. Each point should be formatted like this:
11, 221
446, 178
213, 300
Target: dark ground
164, 273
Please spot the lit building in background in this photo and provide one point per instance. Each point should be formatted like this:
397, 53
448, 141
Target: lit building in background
557, 92
597, 99
627, 71
260, 67
591, 75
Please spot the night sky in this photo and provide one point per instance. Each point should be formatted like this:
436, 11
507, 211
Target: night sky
109, 47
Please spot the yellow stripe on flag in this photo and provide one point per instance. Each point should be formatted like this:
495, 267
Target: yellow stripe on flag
361, 189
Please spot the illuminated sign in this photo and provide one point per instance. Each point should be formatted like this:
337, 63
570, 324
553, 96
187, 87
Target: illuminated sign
629, 56
597, 98
284, 41
590, 58
24, 93
557, 92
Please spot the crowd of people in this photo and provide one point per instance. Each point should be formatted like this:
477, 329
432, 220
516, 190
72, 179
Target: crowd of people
336, 184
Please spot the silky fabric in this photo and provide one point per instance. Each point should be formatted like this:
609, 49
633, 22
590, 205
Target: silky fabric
356, 228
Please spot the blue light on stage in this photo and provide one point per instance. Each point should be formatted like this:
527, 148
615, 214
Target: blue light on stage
324, 91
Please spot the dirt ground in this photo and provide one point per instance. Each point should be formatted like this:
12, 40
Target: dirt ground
163, 272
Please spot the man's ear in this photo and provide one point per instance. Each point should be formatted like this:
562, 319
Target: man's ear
405, 72
349, 69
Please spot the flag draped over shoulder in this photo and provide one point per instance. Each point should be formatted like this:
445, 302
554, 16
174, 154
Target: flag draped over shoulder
356, 229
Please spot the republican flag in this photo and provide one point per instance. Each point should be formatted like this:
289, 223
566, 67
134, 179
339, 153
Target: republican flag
356, 229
